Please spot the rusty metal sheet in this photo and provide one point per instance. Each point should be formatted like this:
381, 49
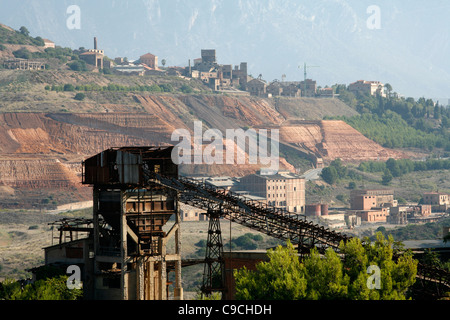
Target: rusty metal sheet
128, 165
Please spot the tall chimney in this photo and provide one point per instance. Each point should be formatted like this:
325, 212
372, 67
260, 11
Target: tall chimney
95, 43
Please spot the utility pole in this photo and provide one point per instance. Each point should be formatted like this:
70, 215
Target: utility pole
305, 67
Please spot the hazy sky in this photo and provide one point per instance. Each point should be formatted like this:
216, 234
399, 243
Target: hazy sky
405, 43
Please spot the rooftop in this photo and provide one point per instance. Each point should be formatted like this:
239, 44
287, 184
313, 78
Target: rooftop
279, 175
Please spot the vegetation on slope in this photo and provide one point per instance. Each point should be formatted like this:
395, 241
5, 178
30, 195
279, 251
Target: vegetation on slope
21, 36
397, 122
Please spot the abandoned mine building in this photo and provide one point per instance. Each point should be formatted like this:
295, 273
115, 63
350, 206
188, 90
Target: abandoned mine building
283, 190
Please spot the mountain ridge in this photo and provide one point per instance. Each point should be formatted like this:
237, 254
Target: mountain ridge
273, 37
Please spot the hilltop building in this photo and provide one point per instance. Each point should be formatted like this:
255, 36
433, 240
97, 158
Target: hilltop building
258, 88
215, 75
150, 60
325, 93
94, 56
288, 89
48, 44
309, 88
367, 87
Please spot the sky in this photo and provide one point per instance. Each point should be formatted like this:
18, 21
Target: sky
404, 43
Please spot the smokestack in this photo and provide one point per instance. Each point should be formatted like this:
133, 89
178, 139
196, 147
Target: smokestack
95, 43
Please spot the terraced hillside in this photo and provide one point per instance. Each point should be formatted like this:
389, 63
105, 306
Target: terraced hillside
45, 134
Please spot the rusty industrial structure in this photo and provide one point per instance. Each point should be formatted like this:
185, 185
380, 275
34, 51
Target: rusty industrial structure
136, 193
134, 249
23, 64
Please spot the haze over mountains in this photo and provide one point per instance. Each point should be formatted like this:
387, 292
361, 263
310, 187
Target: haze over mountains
410, 49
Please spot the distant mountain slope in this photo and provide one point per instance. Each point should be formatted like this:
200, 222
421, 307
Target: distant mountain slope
409, 50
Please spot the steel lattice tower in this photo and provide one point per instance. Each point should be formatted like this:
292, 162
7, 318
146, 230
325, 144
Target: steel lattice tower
213, 275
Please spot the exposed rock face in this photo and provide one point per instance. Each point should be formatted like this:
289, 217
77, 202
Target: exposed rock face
41, 153
331, 139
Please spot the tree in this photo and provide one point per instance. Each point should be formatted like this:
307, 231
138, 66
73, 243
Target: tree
69, 87
22, 53
46, 289
328, 276
388, 88
329, 175
163, 62
23, 30
393, 167
80, 96
387, 177
78, 65
340, 169
186, 89
279, 279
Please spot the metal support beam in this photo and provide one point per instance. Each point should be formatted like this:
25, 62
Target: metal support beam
124, 244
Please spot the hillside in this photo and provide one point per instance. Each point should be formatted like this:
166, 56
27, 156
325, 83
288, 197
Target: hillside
51, 120
45, 134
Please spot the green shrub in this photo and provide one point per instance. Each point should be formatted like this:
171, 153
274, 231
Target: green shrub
186, 89
80, 96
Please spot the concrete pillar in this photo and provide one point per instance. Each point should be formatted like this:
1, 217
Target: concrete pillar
162, 271
140, 279
151, 280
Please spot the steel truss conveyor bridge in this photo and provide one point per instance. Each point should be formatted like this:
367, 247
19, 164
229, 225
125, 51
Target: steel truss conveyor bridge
256, 215
274, 222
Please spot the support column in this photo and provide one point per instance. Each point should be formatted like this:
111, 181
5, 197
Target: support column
123, 240
96, 226
151, 277
213, 274
178, 292
96, 240
140, 279
162, 268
